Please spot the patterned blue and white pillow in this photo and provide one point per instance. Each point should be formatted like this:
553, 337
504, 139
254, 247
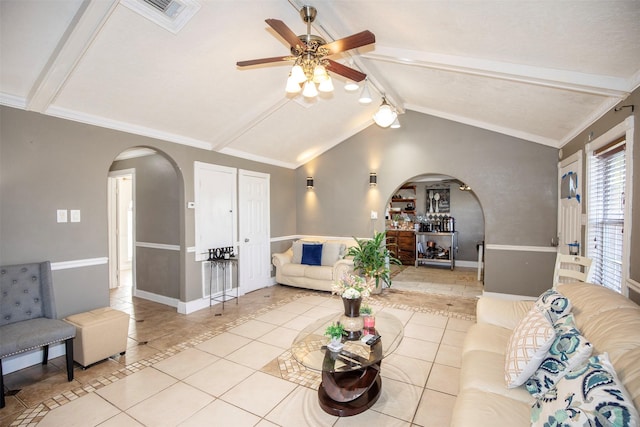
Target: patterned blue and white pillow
568, 351
591, 395
553, 304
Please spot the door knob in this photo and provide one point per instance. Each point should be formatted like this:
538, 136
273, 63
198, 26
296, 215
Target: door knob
246, 240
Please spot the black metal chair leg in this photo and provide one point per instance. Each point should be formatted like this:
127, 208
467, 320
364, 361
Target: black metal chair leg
45, 354
69, 350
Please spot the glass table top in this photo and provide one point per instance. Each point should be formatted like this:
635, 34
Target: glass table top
310, 346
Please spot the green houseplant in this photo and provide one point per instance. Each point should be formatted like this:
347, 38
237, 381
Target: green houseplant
334, 331
372, 259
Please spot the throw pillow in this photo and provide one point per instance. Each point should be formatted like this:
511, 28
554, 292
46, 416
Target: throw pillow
554, 304
591, 395
297, 250
527, 347
332, 252
311, 254
568, 351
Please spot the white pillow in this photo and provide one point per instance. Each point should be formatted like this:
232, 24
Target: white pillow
528, 345
332, 252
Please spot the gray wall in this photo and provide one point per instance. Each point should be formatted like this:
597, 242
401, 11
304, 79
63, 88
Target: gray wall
601, 126
48, 163
515, 182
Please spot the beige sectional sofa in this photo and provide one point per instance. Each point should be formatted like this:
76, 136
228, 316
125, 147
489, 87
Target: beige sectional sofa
293, 268
609, 322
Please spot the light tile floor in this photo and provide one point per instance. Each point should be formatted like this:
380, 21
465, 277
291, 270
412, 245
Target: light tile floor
233, 367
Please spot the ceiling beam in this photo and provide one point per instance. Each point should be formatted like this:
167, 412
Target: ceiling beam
562, 79
81, 32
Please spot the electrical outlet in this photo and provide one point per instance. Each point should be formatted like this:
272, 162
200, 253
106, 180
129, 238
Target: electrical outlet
61, 215
75, 215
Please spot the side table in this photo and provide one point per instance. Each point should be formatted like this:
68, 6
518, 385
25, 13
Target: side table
351, 381
225, 264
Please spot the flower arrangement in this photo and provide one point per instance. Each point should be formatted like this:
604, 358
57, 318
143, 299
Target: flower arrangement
351, 286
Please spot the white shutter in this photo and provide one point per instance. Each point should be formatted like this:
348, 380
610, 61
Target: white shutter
606, 198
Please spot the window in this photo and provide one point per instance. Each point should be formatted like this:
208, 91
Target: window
608, 206
606, 213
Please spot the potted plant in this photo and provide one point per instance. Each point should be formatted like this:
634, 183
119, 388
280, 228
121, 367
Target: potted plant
371, 258
335, 332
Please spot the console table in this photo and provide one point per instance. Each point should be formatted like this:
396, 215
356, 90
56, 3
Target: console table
224, 264
351, 381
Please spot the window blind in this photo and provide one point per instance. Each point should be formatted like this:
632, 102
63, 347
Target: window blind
606, 196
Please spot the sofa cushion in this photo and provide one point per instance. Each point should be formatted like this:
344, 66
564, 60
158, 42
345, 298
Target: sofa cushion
293, 270
478, 408
311, 254
485, 337
332, 252
318, 272
554, 304
483, 370
568, 351
528, 345
590, 395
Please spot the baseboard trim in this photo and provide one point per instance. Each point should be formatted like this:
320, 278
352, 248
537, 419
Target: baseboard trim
171, 302
34, 357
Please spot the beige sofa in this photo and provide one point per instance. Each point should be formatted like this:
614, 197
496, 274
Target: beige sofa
290, 269
609, 321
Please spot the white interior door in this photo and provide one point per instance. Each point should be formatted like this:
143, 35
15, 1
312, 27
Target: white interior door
121, 224
215, 204
255, 234
570, 202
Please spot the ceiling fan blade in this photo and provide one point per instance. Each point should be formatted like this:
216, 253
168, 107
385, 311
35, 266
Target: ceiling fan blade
345, 71
262, 61
285, 32
356, 40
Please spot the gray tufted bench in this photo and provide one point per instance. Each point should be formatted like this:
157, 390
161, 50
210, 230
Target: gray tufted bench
28, 315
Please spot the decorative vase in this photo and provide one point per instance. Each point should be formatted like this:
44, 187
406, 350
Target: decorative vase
335, 344
371, 281
351, 319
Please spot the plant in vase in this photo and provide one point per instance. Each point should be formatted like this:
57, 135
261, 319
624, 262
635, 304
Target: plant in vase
369, 320
335, 331
352, 289
372, 259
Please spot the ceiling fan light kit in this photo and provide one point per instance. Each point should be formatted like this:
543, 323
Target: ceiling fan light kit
310, 54
386, 115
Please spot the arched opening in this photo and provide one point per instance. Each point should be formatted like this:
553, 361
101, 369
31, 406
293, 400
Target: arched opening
437, 223
146, 231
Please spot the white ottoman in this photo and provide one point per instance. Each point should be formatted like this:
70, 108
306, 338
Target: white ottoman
100, 333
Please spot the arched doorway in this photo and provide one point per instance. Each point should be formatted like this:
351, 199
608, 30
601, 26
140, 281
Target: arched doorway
436, 206
155, 227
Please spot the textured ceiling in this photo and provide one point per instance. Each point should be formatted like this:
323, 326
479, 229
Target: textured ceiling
538, 70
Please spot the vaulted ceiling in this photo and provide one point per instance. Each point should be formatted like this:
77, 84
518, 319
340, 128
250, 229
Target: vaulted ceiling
538, 70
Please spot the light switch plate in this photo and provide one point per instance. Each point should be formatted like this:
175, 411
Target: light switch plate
61, 215
75, 215
374, 215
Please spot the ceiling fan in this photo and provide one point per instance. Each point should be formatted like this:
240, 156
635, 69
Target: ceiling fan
310, 55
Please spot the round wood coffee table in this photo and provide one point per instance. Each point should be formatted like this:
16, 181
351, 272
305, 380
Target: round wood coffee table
351, 381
